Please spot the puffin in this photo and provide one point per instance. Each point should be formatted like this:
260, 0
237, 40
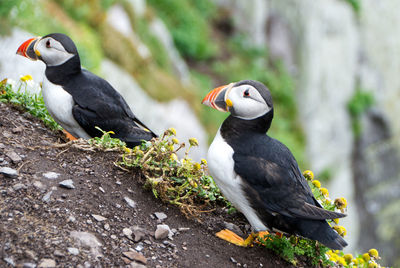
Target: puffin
79, 100
258, 174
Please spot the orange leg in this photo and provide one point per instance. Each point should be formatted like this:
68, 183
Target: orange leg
233, 238
69, 136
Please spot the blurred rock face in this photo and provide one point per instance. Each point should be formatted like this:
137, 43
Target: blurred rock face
332, 51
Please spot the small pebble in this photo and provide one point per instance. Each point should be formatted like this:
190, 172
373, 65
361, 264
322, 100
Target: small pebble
160, 215
69, 184
46, 197
51, 175
73, 251
130, 202
47, 263
99, 217
9, 172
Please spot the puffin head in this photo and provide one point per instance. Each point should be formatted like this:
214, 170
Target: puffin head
53, 49
247, 99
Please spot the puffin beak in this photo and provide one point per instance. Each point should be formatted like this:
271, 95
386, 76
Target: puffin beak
27, 48
218, 98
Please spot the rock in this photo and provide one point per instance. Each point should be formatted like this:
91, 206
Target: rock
136, 265
73, 251
71, 219
19, 186
69, 184
107, 227
99, 218
127, 232
10, 261
126, 260
87, 240
51, 175
160, 215
47, 263
162, 231
101, 189
9, 172
135, 256
28, 265
13, 156
182, 229
139, 235
39, 185
130, 202
58, 253
30, 254
17, 129
139, 247
46, 197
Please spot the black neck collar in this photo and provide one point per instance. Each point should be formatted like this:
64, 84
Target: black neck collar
235, 127
61, 74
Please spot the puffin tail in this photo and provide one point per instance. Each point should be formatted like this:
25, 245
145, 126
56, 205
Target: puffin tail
321, 231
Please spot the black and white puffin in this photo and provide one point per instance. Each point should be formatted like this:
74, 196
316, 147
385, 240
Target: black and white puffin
258, 174
77, 99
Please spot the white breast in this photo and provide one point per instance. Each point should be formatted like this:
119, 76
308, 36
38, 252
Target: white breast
220, 164
59, 103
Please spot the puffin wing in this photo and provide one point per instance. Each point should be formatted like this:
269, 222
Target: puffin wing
279, 185
97, 103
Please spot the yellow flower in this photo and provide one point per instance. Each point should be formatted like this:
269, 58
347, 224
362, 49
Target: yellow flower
193, 142
172, 131
173, 157
196, 166
316, 183
336, 221
193, 183
171, 148
26, 78
341, 261
308, 174
366, 257
354, 261
348, 257
175, 140
324, 191
340, 230
373, 253
327, 201
372, 265
361, 261
204, 162
139, 152
127, 150
341, 203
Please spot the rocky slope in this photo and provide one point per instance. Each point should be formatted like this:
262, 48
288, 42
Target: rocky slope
64, 207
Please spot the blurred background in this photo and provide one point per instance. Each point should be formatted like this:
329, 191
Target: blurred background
333, 68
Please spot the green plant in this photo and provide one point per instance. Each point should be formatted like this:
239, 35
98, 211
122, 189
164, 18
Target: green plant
180, 182
188, 25
17, 93
106, 142
358, 104
355, 4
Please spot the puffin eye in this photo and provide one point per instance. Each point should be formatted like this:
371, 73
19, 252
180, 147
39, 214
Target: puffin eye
48, 43
246, 93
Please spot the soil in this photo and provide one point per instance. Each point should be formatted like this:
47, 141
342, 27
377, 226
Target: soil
36, 231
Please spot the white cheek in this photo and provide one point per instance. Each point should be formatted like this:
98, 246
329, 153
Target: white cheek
55, 57
247, 108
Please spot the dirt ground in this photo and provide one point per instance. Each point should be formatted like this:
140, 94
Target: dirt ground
43, 224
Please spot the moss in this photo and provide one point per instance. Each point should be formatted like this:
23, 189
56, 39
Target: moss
355, 4
142, 29
358, 104
188, 25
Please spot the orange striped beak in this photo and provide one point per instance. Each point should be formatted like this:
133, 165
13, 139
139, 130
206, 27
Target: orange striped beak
217, 98
27, 49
